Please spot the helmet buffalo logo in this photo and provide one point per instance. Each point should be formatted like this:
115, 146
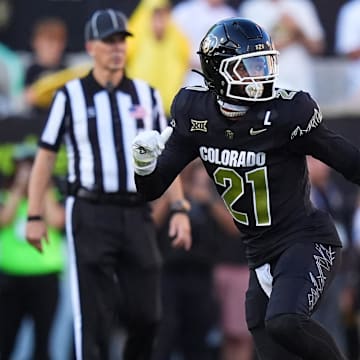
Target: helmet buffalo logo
209, 44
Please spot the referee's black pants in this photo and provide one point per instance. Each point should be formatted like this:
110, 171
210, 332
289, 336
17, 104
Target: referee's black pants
115, 273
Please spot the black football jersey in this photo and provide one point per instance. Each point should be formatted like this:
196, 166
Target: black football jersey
258, 164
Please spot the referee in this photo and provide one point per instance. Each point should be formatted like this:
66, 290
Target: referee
114, 259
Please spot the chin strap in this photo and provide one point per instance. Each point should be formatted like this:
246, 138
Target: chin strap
199, 72
207, 81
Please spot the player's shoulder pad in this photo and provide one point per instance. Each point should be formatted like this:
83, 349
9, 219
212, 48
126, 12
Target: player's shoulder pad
197, 88
186, 94
186, 101
307, 115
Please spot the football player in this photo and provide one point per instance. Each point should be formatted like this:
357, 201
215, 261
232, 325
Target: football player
253, 140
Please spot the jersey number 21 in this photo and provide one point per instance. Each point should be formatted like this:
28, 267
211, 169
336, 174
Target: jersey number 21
234, 184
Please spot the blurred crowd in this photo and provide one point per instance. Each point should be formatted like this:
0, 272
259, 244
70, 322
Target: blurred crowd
203, 290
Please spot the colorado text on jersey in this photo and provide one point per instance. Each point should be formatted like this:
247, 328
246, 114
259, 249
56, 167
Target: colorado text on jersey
232, 158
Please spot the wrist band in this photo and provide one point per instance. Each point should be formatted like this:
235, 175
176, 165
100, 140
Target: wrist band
181, 205
179, 211
34, 218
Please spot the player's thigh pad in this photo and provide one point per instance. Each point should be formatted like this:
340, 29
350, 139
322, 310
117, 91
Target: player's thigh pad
301, 276
293, 283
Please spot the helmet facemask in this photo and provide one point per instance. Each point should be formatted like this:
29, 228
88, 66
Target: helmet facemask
249, 77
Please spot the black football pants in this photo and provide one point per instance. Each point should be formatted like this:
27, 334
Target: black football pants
115, 273
278, 314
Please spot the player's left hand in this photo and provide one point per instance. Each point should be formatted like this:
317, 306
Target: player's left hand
180, 231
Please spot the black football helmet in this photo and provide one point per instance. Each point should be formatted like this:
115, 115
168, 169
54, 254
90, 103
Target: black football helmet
239, 61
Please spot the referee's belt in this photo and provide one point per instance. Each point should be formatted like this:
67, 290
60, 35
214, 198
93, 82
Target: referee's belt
119, 198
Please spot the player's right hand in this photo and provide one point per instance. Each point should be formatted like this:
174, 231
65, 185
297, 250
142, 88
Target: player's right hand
146, 148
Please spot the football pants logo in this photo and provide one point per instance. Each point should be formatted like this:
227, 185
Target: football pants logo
324, 260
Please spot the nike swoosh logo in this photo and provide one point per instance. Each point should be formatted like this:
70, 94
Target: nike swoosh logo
256, 132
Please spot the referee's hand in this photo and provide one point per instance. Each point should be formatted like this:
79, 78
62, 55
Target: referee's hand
35, 232
180, 231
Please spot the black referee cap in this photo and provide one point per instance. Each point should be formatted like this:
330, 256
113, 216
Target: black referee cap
104, 23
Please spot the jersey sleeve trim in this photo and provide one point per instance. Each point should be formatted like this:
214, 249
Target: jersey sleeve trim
47, 146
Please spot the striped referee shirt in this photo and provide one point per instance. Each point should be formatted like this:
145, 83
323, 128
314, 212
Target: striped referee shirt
98, 126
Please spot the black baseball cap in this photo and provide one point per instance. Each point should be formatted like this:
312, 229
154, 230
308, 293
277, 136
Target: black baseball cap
104, 23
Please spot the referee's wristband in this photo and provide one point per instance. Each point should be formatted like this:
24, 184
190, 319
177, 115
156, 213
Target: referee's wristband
180, 206
34, 218
179, 211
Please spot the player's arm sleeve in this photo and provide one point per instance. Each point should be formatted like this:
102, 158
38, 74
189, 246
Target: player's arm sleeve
53, 131
332, 149
178, 152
